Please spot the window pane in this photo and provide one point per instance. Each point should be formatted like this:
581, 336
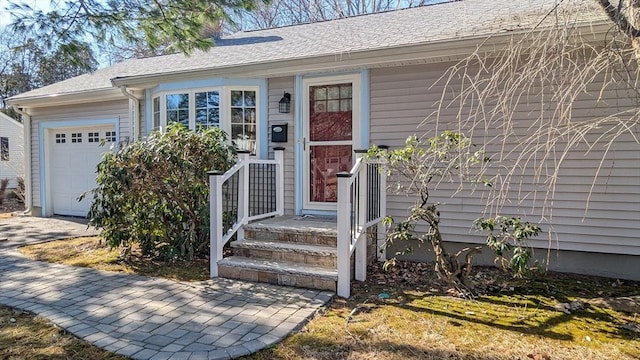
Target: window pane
214, 116
333, 105
236, 98
156, 112
243, 119
345, 91
177, 101
320, 93
334, 92
237, 132
345, 105
201, 116
249, 98
183, 117
325, 163
236, 115
250, 115
330, 120
178, 108
172, 116
213, 98
201, 100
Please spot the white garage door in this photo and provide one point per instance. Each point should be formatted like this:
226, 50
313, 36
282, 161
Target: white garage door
74, 156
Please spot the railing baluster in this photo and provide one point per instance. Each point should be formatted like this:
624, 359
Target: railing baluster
279, 183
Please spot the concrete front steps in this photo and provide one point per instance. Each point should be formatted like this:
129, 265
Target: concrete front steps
291, 251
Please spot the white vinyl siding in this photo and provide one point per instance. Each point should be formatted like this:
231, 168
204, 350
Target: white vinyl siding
277, 87
81, 112
14, 166
607, 221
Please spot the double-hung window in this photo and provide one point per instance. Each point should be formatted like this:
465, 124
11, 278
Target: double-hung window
233, 109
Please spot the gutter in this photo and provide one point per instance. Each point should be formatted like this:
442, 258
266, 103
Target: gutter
134, 115
28, 188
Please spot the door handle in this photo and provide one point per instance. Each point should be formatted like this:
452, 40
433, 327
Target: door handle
304, 144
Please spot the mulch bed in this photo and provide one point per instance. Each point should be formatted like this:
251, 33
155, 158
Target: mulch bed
10, 205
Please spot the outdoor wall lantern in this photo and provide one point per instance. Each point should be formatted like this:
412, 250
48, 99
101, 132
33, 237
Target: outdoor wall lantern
285, 103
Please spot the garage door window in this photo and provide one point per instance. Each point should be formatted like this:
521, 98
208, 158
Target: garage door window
110, 136
61, 138
4, 148
93, 137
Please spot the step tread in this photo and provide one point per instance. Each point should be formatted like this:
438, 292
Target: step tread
285, 246
319, 226
279, 267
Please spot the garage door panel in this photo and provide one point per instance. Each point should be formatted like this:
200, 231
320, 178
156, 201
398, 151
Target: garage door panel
74, 156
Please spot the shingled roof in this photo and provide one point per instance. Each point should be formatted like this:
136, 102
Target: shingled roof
401, 28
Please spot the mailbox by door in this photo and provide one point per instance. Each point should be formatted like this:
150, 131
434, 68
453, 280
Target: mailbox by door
279, 133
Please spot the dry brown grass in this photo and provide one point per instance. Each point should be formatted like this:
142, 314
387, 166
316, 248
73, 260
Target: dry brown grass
419, 322
92, 252
32, 337
515, 320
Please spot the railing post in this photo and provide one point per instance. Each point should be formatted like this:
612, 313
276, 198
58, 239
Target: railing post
363, 200
382, 231
381, 237
215, 221
344, 237
243, 191
279, 157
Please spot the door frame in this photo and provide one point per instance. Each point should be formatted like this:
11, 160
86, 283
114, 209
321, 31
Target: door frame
360, 131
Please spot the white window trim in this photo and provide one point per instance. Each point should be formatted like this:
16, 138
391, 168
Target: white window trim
225, 107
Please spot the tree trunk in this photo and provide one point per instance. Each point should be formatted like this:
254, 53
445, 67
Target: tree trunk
627, 16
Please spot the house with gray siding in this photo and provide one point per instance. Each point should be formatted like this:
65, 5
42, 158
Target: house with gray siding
350, 83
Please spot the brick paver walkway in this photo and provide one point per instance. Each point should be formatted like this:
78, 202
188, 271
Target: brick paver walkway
148, 318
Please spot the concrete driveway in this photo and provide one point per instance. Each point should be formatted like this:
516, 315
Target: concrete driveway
142, 317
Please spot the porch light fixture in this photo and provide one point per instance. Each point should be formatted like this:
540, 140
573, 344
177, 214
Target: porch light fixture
285, 103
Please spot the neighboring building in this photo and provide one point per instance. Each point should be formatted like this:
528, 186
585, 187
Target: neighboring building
353, 82
11, 150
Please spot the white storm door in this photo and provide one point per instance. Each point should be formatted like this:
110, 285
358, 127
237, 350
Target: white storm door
331, 127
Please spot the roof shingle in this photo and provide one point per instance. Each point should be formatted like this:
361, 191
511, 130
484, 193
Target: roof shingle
415, 26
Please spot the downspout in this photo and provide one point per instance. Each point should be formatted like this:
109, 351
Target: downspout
135, 113
28, 191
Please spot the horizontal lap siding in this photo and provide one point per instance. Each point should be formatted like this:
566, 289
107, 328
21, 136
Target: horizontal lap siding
14, 167
606, 221
277, 87
81, 112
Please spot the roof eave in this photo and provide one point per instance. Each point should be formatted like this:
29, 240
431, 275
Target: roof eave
10, 119
103, 94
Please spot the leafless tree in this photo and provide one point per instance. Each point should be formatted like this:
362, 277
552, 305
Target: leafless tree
289, 12
549, 97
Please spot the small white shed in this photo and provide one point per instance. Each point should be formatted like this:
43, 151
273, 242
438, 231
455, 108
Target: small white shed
11, 149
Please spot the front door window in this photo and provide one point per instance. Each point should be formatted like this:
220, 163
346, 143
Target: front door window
330, 135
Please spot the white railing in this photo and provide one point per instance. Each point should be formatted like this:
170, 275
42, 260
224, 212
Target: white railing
361, 205
252, 189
